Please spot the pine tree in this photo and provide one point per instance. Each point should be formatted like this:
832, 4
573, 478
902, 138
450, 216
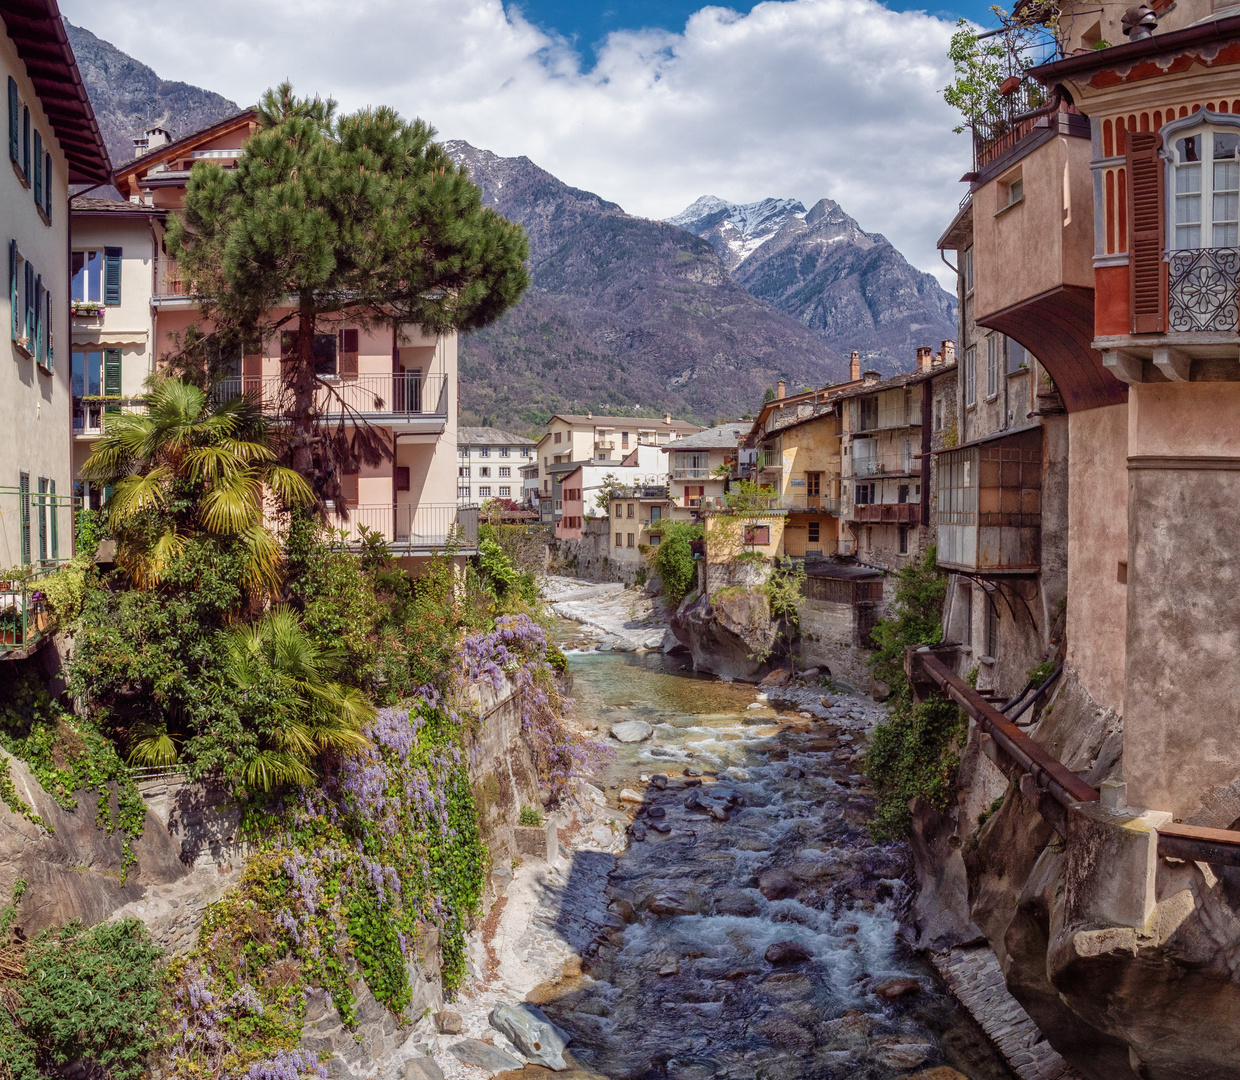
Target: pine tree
361, 216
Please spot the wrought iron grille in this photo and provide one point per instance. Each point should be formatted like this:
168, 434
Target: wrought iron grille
1203, 293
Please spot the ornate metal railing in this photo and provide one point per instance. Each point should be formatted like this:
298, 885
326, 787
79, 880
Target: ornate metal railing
1203, 292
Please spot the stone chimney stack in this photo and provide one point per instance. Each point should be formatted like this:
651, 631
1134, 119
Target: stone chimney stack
854, 367
949, 351
781, 389
924, 358
667, 418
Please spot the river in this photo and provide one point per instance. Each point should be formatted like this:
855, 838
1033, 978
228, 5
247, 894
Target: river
760, 937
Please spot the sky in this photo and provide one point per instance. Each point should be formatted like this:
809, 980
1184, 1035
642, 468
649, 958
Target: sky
649, 103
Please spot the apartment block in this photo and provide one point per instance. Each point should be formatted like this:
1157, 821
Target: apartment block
53, 142
489, 465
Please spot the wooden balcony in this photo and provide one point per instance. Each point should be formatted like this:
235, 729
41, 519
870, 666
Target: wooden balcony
887, 513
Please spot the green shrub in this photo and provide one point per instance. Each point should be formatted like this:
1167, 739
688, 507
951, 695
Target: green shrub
913, 753
531, 816
80, 994
673, 559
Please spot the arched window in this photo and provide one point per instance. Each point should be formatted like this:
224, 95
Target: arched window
1205, 210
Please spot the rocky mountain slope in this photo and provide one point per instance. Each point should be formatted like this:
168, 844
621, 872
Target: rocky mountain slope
851, 287
624, 312
128, 96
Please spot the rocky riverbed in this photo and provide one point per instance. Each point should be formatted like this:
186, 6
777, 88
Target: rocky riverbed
718, 909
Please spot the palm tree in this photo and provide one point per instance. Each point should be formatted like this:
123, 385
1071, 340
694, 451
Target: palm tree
190, 466
274, 660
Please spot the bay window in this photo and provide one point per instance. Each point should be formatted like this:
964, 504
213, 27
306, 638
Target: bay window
1206, 212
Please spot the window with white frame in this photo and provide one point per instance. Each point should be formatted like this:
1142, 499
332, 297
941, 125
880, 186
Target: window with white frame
484, 451
503, 452
505, 471
484, 492
970, 376
993, 344
505, 492
968, 270
462, 493
1206, 187
463, 451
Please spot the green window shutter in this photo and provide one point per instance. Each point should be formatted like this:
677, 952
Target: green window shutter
47, 299
47, 185
51, 488
23, 513
26, 142
112, 276
112, 379
38, 169
37, 343
28, 328
14, 109
41, 503
13, 290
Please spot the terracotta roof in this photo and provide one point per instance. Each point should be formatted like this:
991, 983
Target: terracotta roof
38, 34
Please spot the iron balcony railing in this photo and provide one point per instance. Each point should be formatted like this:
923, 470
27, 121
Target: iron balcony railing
821, 503
887, 513
90, 415
404, 393
24, 614
1203, 293
415, 527
879, 467
692, 474
168, 279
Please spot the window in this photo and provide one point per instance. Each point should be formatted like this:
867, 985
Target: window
1017, 358
484, 451
88, 277
869, 413
463, 451
503, 451
38, 175
619, 539
484, 492
813, 484
902, 493
757, 535
87, 374
630, 540
992, 627
938, 414
656, 513
968, 270
655, 539
505, 492
863, 494
23, 512
628, 510
903, 539
462, 471
484, 470
624, 441
504, 472
402, 477
525, 453
814, 532
546, 485
462, 493
1011, 190
324, 350
557, 437
992, 365
970, 376
1207, 200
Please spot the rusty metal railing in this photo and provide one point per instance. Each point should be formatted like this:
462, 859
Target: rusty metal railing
1046, 782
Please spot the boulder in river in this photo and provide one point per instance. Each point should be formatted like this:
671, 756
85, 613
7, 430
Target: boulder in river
736, 902
532, 1033
630, 796
631, 731
671, 903
776, 885
778, 677
484, 1054
783, 953
448, 1023
894, 989
420, 1067
724, 633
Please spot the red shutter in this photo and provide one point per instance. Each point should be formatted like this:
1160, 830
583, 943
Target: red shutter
252, 370
348, 352
1146, 214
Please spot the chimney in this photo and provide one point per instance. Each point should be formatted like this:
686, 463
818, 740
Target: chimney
781, 389
589, 415
871, 377
924, 358
949, 351
854, 367
667, 418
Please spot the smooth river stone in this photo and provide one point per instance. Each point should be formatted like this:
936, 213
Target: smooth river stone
631, 731
485, 1055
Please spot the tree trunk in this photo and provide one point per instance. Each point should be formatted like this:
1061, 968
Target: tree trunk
303, 384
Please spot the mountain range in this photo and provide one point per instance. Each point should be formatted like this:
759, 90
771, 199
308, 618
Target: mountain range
697, 315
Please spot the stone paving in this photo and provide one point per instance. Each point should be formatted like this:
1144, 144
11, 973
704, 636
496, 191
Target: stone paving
974, 976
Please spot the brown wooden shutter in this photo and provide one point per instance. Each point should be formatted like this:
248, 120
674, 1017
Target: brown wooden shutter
402, 477
252, 369
1146, 216
348, 352
348, 487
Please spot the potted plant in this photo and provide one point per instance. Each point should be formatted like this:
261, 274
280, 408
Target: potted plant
10, 626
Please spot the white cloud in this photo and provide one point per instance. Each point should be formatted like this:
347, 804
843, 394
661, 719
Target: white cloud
808, 98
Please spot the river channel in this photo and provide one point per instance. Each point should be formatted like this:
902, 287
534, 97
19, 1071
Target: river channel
760, 937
